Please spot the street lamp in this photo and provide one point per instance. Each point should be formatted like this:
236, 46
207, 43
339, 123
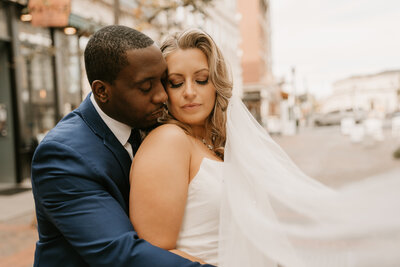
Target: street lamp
69, 30
25, 15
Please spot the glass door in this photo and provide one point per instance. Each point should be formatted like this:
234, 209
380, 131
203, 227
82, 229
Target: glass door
38, 101
7, 136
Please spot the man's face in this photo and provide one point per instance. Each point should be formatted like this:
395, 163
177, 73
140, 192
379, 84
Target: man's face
136, 98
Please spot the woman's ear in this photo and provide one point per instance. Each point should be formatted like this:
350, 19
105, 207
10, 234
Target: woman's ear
101, 91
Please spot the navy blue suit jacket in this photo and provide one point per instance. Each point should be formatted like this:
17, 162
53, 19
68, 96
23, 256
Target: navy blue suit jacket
80, 180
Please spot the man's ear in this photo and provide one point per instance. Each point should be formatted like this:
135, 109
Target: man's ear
101, 90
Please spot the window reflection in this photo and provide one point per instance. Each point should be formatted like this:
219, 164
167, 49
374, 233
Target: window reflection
37, 94
68, 57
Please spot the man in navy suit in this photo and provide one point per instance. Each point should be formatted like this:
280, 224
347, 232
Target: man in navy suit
80, 171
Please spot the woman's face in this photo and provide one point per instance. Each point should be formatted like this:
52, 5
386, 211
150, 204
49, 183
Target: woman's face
191, 95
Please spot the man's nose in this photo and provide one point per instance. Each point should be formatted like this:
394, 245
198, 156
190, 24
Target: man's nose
160, 95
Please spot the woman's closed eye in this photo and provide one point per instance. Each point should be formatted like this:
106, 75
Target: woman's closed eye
179, 84
202, 82
175, 84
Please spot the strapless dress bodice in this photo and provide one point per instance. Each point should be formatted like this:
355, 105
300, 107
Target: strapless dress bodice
200, 227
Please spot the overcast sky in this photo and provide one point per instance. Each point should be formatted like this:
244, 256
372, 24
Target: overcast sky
326, 40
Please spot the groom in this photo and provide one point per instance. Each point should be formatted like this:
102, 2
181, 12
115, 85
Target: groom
80, 170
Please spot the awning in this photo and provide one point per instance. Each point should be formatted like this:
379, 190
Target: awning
83, 25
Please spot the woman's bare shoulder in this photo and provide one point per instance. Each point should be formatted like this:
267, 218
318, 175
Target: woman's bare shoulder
167, 136
164, 148
168, 131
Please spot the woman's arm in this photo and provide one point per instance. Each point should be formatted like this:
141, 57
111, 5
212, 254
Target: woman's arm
159, 184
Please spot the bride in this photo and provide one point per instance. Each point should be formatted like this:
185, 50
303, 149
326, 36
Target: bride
211, 185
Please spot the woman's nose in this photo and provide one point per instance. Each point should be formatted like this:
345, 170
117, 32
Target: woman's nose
190, 90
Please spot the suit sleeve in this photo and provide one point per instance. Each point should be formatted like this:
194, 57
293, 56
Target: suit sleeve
68, 189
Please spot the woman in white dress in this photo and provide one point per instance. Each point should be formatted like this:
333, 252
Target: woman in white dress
175, 186
211, 185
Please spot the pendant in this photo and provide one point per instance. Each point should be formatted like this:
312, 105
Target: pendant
210, 147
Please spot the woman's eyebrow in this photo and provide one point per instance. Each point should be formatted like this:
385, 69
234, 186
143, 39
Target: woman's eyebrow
178, 74
205, 69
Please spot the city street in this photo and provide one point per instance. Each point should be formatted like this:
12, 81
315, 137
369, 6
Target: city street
323, 153
330, 157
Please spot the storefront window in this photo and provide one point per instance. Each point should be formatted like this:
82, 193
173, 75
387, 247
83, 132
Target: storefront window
3, 23
68, 65
86, 88
38, 99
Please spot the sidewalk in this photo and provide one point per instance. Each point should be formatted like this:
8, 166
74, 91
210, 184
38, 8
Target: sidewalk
16, 205
17, 231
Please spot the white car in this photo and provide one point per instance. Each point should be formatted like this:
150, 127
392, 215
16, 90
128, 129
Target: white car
336, 116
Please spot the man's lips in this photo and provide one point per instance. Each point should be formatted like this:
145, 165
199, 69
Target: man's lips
157, 113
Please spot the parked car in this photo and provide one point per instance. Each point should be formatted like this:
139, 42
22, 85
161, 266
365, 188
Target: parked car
393, 114
336, 116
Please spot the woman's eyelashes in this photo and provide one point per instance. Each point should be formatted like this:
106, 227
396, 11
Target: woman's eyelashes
202, 82
177, 84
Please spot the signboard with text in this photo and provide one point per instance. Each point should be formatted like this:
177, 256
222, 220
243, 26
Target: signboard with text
50, 13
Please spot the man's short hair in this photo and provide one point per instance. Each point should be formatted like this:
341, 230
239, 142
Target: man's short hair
105, 53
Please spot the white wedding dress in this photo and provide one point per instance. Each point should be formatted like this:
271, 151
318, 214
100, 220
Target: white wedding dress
258, 209
200, 227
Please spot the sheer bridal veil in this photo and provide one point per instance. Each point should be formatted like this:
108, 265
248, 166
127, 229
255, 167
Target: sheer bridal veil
273, 214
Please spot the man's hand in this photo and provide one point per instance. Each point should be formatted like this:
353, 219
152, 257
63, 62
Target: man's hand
187, 256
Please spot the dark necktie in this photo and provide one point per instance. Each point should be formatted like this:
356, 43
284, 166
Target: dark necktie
135, 139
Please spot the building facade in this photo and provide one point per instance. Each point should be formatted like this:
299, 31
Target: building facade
378, 92
42, 74
259, 92
223, 25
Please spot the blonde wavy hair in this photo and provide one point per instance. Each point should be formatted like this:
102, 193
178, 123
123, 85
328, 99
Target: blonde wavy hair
219, 76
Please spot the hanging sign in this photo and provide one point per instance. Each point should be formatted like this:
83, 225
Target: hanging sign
50, 13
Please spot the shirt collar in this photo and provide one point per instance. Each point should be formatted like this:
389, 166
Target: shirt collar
119, 129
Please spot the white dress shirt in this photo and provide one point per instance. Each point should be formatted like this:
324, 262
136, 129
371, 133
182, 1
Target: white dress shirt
119, 129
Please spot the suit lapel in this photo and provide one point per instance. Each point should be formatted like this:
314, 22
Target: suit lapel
95, 122
112, 143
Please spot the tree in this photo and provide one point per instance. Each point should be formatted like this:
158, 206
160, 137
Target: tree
160, 15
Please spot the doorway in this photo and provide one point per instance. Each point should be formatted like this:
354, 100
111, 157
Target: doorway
7, 136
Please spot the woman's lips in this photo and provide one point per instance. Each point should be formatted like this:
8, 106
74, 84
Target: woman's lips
191, 106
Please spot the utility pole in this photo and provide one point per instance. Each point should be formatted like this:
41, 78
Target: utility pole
398, 95
294, 106
116, 12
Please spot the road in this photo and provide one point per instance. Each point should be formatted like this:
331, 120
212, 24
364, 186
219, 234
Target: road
330, 157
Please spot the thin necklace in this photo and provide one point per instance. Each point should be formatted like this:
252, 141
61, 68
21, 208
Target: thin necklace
210, 147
